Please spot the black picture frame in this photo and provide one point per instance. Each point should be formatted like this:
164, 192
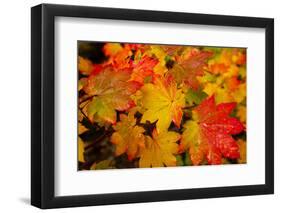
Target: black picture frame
43, 102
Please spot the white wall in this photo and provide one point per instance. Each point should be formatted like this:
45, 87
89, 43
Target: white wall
15, 105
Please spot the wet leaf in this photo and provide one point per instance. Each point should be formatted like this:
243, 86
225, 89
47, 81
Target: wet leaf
111, 91
208, 135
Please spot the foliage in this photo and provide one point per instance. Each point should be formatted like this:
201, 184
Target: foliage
128, 137
208, 135
163, 103
143, 105
160, 150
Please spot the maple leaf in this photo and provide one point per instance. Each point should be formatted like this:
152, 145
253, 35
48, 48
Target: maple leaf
209, 134
112, 49
159, 150
163, 103
222, 94
187, 69
110, 91
242, 113
143, 68
158, 52
85, 66
119, 57
128, 137
226, 58
135, 47
171, 49
225, 92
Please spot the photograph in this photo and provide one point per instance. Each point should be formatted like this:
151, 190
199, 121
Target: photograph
144, 105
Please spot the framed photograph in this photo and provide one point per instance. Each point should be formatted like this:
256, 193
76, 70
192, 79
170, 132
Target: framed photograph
139, 106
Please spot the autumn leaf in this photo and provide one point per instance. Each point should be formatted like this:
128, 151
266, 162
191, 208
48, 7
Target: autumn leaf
188, 69
135, 47
239, 57
85, 66
143, 68
230, 83
153, 105
208, 135
163, 103
241, 113
192, 141
243, 152
171, 49
110, 91
128, 137
80, 150
221, 94
221, 62
158, 52
112, 49
226, 93
159, 150
120, 57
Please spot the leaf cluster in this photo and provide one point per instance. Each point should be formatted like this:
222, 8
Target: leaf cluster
143, 105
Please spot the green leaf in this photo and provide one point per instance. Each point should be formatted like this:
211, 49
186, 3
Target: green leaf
195, 97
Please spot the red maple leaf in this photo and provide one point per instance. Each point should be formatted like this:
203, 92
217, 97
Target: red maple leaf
187, 69
142, 69
209, 135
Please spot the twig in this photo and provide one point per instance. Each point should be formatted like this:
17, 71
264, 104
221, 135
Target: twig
86, 99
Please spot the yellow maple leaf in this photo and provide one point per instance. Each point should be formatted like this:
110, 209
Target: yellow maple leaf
159, 53
112, 49
159, 150
224, 94
163, 103
240, 93
191, 140
128, 137
220, 93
